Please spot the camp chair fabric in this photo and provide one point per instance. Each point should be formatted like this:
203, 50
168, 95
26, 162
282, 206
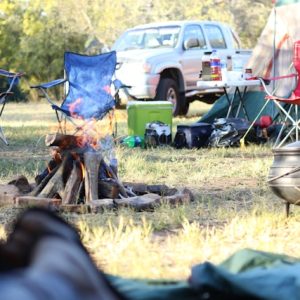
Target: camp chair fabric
12, 79
88, 85
290, 128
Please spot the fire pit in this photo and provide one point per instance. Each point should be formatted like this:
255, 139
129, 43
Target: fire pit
78, 178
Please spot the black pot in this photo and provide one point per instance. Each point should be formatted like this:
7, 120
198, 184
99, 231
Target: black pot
284, 175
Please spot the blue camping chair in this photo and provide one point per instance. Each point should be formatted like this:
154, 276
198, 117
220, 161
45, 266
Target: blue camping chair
12, 79
88, 82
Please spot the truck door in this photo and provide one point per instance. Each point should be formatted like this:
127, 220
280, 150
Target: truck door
217, 41
191, 57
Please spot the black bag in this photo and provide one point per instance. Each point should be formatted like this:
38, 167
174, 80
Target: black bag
228, 132
192, 136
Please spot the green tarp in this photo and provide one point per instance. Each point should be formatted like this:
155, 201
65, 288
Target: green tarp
253, 102
248, 274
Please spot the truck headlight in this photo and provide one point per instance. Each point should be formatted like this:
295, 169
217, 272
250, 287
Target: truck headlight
146, 67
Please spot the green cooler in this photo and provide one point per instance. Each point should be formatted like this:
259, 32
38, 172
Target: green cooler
142, 112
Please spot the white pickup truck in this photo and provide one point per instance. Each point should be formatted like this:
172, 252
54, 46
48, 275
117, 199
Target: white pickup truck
162, 61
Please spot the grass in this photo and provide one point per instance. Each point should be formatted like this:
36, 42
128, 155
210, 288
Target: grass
233, 207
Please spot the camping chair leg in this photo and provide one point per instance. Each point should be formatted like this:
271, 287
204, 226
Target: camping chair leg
2, 137
2, 108
59, 122
296, 121
287, 209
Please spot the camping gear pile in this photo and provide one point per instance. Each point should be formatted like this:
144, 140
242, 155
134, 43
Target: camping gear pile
224, 132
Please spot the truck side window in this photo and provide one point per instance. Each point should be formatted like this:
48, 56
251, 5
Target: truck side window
195, 31
215, 37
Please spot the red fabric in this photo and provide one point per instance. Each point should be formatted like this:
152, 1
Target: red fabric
292, 100
265, 121
295, 97
296, 61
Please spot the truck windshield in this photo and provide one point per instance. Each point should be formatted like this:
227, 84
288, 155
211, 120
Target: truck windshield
158, 37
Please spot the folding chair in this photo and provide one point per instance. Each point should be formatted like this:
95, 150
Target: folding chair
12, 79
88, 87
288, 107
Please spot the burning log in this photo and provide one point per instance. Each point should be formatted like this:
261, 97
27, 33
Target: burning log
91, 163
55, 186
63, 141
73, 185
108, 189
114, 176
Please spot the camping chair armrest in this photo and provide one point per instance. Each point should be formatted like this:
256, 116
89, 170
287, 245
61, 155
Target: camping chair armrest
10, 74
118, 84
49, 84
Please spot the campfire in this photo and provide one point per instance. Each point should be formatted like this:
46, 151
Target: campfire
80, 178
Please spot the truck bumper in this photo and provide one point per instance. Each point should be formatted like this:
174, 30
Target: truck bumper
142, 85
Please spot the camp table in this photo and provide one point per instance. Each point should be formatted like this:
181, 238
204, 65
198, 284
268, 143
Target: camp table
240, 89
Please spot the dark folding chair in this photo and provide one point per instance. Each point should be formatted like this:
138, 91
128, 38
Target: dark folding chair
12, 79
89, 87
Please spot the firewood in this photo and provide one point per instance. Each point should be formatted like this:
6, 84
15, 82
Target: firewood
63, 141
52, 164
67, 141
100, 205
22, 184
55, 185
75, 208
43, 183
91, 164
142, 188
108, 189
115, 177
8, 193
70, 195
37, 201
140, 203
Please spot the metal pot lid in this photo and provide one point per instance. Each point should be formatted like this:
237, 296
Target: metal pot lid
295, 146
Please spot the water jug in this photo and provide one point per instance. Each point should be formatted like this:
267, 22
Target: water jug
215, 66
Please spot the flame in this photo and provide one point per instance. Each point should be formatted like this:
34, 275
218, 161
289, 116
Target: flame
82, 168
92, 130
73, 106
107, 89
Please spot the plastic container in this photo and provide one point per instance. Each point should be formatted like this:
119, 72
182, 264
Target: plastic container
142, 112
215, 66
237, 63
132, 141
224, 71
206, 70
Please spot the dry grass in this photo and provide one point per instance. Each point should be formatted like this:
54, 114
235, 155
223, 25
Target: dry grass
233, 206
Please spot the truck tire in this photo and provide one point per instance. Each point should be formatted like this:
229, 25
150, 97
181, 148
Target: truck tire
167, 90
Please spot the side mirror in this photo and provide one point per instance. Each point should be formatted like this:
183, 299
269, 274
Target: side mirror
191, 43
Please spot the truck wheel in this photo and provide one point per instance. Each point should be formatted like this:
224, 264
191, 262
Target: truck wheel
185, 108
168, 90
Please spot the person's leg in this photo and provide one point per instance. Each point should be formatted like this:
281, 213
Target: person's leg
46, 248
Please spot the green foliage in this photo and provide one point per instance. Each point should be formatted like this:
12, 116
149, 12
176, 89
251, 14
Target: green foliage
36, 33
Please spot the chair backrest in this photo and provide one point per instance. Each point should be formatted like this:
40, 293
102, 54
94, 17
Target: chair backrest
296, 62
89, 78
